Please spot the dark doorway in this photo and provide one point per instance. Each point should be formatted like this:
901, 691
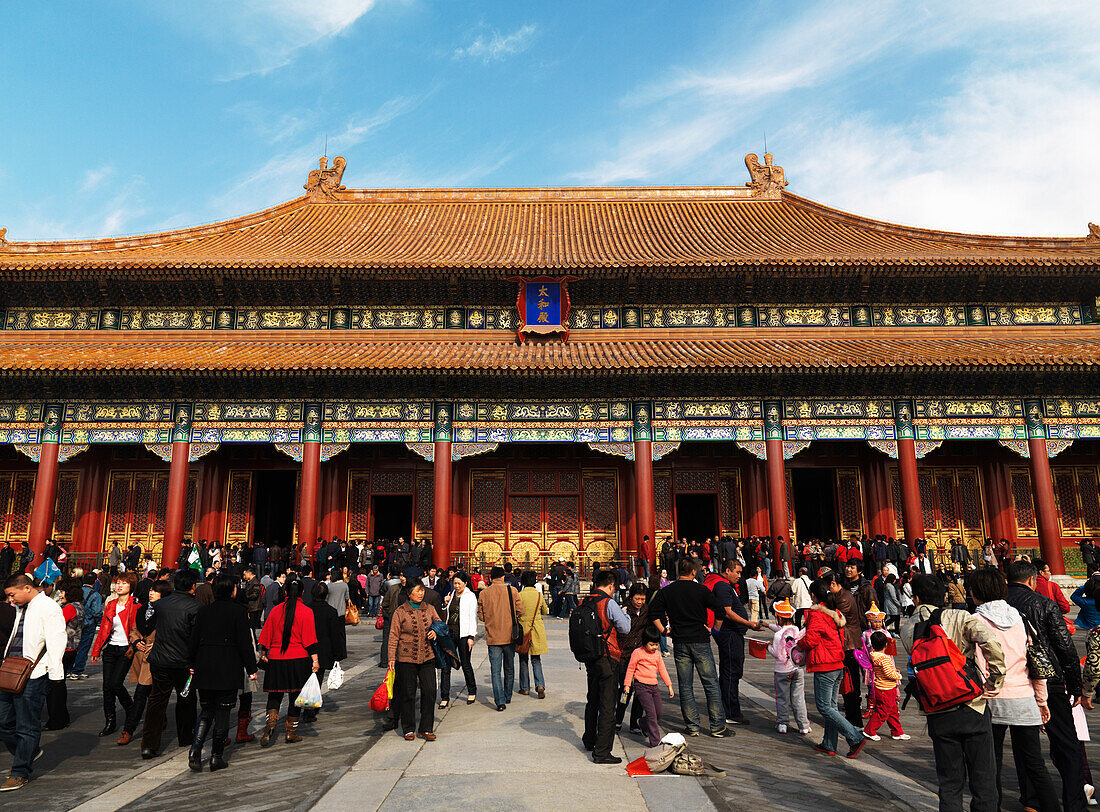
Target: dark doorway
276, 495
393, 517
814, 497
696, 516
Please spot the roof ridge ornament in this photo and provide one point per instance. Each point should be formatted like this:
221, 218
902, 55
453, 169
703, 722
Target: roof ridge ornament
324, 183
1094, 233
766, 179
3, 238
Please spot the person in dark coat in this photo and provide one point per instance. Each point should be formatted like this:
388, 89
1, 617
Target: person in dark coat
222, 653
332, 639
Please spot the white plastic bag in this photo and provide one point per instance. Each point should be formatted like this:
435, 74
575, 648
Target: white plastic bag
310, 697
335, 677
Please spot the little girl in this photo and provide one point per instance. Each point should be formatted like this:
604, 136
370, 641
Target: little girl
876, 622
790, 676
887, 680
644, 668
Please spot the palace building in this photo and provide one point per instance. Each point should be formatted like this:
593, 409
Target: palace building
550, 372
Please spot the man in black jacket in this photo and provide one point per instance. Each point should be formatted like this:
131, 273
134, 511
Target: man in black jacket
1063, 691
170, 663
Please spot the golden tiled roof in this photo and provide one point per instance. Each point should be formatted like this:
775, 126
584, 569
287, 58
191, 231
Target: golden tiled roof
456, 351
563, 230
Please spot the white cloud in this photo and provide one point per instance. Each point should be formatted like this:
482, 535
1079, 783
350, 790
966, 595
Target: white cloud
94, 178
497, 46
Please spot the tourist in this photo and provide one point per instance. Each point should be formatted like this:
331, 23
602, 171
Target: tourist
532, 608
394, 596
39, 635
852, 633
142, 637
570, 592
93, 614
1047, 588
603, 672
274, 592
643, 669
498, 609
413, 661
338, 593
756, 586
729, 636
111, 644
170, 661
800, 594
962, 737
373, 589
1048, 625
685, 603
288, 652
637, 610
332, 638
462, 621
251, 594
886, 684
1020, 707
1085, 597
222, 653
72, 610
788, 676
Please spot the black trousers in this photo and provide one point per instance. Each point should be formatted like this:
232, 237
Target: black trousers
134, 714
1031, 767
57, 700
599, 711
164, 681
407, 677
1065, 751
467, 671
853, 702
962, 742
731, 667
116, 665
216, 706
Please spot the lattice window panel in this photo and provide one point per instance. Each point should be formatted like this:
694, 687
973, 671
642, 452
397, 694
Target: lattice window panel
425, 506
519, 481
899, 515
790, 510
562, 514
849, 503
526, 514
238, 518
387, 482
662, 503
118, 503
692, 481
487, 505
16, 498
927, 483
970, 501
1022, 502
569, 482
65, 506
945, 493
599, 504
143, 504
160, 515
1090, 499
543, 482
5, 504
358, 505
729, 505
189, 504
1065, 498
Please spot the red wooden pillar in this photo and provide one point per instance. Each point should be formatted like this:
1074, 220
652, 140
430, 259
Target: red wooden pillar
880, 497
443, 485
778, 520
1042, 488
645, 516
45, 483
997, 490
309, 495
912, 515
177, 503
88, 531
756, 499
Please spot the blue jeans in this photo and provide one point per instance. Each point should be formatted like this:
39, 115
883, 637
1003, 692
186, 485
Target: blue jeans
373, 602
826, 697
21, 723
525, 672
568, 603
502, 686
691, 657
87, 637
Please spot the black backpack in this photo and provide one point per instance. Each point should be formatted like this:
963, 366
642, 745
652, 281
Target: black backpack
587, 638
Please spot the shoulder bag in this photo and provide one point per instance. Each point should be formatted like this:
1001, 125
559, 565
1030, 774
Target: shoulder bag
351, 616
524, 645
1039, 665
15, 671
517, 630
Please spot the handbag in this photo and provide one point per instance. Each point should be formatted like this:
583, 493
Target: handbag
15, 671
1039, 665
524, 645
351, 616
379, 622
517, 630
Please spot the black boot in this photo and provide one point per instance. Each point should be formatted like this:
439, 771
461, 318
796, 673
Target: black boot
221, 736
111, 723
194, 757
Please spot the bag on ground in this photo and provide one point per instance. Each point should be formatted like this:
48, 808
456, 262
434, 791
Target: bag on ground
660, 758
310, 697
587, 639
687, 764
335, 677
942, 677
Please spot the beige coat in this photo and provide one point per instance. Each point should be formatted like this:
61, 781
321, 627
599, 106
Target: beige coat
529, 599
139, 668
494, 609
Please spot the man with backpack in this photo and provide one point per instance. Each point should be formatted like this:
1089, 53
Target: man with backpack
939, 642
594, 629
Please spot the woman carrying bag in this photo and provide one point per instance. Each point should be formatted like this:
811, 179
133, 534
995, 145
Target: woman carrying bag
413, 661
288, 652
113, 644
462, 620
532, 608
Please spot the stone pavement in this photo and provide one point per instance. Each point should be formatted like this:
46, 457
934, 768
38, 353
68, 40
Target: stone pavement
524, 758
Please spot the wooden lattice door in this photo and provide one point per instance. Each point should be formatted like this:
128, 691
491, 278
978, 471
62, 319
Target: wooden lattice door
849, 503
600, 517
951, 508
1078, 501
729, 504
238, 508
137, 507
487, 519
16, 499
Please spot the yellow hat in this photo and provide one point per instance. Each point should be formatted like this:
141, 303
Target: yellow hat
874, 614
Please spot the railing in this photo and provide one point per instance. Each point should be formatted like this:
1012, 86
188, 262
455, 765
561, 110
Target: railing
539, 562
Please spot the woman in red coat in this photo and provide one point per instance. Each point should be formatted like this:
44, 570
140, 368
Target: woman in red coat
288, 652
112, 643
825, 660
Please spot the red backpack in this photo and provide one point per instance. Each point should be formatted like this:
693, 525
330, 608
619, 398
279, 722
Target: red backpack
709, 581
942, 677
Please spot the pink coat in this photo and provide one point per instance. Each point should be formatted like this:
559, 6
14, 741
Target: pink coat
1017, 684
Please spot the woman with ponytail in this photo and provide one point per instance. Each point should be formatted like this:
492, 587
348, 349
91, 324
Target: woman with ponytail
288, 653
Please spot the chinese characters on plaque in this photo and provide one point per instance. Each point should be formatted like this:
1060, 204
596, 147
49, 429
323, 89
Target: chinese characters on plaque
543, 306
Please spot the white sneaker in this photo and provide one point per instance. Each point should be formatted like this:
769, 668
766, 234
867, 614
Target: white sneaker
869, 737
806, 731
1089, 790
904, 737
781, 728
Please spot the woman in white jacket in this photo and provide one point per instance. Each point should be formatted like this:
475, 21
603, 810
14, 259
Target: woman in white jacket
461, 614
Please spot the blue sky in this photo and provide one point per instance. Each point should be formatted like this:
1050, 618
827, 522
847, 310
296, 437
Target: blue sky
125, 117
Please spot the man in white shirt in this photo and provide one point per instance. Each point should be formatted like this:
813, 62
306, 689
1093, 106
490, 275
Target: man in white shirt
800, 594
39, 635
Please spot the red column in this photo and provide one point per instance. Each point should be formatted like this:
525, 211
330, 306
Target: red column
912, 515
177, 503
88, 532
644, 513
441, 505
756, 499
1046, 514
880, 499
998, 501
308, 495
777, 494
45, 494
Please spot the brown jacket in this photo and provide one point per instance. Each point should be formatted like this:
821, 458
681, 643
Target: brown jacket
496, 606
409, 629
140, 674
852, 633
